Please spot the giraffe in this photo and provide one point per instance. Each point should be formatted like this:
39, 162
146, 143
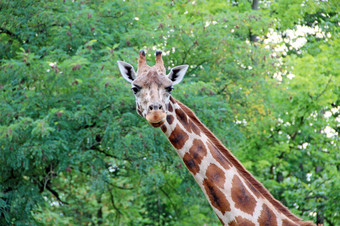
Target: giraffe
233, 193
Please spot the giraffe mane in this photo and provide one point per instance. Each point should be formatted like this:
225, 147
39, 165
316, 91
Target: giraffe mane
245, 174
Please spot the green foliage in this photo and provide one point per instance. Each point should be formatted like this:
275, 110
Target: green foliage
73, 150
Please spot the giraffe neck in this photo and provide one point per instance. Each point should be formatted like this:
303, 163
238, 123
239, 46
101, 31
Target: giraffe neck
234, 194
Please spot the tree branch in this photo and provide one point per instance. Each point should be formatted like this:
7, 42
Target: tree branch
222, 90
55, 194
95, 148
172, 204
113, 203
11, 34
194, 69
317, 196
329, 221
187, 52
117, 186
323, 91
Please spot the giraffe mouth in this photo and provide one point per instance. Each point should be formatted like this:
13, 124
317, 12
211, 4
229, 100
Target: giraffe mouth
158, 124
156, 118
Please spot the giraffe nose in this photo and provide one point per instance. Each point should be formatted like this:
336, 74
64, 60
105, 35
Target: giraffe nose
155, 107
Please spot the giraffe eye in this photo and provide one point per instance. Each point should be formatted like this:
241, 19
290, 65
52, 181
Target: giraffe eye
169, 89
136, 89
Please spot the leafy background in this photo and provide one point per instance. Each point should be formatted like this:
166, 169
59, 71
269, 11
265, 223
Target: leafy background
74, 152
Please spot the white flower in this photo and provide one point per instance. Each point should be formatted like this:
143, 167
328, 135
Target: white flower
290, 76
320, 34
53, 64
238, 122
337, 119
335, 110
287, 124
309, 175
281, 48
112, 169
278, 76
136, 18
329, 131
327, 114
312, 214
299, 42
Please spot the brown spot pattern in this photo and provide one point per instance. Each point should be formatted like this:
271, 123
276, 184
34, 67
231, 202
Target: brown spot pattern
188, 124
170, 109
232, 223
169, 119
286, 222
216, 197
240, 221
253, 189
191, 164
164, 129
194, 157
242, 198
182, 118
219, 156
267, 217
216, 175
178, 137
139, 110
194, 128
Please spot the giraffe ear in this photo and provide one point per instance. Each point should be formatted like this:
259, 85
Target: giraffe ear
177, 73
127, 71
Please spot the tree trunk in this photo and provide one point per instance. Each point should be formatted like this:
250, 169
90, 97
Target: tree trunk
100, 211
255, 5
319, 218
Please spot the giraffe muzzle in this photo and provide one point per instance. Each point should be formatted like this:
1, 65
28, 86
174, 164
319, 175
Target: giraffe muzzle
156, 117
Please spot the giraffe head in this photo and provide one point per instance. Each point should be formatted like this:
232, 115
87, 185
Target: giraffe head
152, 87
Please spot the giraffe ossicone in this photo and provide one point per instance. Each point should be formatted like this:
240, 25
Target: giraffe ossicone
234, 194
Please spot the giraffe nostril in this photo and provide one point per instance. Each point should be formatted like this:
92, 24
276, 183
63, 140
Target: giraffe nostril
155, 107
